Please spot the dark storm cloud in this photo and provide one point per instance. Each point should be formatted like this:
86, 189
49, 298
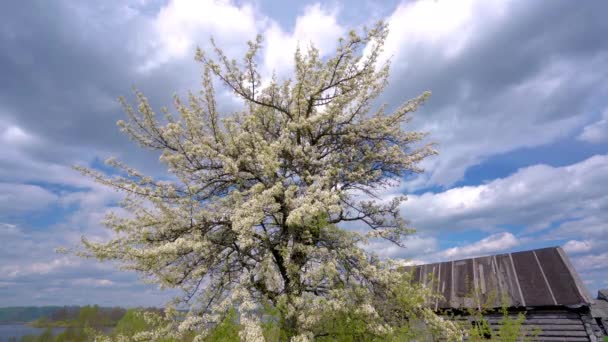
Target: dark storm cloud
524, 77
65, 64
507, 52
59, 73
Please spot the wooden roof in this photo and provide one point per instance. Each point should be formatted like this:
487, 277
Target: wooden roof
600, 307
536, 278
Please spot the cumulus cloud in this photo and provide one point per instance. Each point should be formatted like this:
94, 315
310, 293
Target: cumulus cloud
37, 268
592, 226
590, 259
490, 245
545, 205
533, 197
315, 26
596, 132
28, 153
19, 198
592, 262
34, 274
72, 120
444, 26
575, 246
14, 135
93, 281
504, 76
546, 82
415, 246
30, 270
9, 230
181, 25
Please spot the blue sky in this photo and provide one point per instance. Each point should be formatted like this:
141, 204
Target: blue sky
519, 114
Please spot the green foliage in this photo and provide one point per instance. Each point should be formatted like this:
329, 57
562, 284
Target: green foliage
46, 336
274, 325
40, 323
510, 328
350, 324
345, 327
88, 314
29, 338
72, 334
227, 330
131, 323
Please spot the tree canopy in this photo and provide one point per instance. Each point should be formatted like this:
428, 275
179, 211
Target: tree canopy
255, 211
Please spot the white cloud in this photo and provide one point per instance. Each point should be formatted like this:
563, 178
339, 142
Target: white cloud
38, 268
490, 245
591, 262
446, 25
181, 25
550, 205
433, 44
9, 230
465, 140
596, 132
533, 197
21, 162
485, 103
315, 26
33, 169
32, 266
590, 258
575, 246
19, 198
592, 225
415, 246
14, 135
92, 282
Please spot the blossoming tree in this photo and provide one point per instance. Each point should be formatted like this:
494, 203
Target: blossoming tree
255, 212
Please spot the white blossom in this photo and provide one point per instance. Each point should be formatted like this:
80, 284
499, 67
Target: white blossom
249, 215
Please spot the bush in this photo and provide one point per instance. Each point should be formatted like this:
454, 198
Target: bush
510, 329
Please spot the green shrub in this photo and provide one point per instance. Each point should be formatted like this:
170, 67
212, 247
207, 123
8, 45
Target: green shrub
131, 323
227, 330
510, 329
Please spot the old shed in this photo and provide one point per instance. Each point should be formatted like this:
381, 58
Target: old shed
541, 283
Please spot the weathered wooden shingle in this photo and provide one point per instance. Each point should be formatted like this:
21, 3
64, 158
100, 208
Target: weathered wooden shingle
536, 278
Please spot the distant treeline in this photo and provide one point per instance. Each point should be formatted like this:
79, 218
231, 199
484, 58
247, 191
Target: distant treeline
26, 313
61, 315
91, 316
131, 323
79, 322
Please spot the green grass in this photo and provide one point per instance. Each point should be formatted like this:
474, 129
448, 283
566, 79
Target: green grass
605, 338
